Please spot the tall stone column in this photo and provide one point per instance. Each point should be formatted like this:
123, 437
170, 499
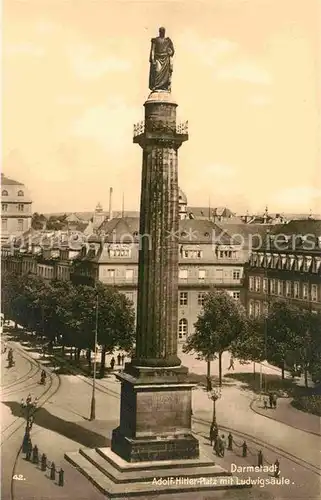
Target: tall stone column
157, 308
155, 413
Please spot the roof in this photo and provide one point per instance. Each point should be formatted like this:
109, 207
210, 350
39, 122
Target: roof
299, 226
190, 230
5, 181
210, 211
248, 234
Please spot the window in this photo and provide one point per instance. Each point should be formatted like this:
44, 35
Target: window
280, 287
183, 274
119, 251
305, 290
20, 193
110, 273
236, 295
251, 308
236, 274
201, 298
265, 285
182, 328
257, 284
4, 192
201, 274
129, 274
288, 288
21, 207
20, 224
4, 224
257, 310
192, 254
183, 298
4, 207
296, 290
251, 283
227, 254
273, 287
314, 293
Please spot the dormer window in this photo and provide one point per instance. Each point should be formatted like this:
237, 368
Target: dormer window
207, 235
135, 233
20, 193
4, 192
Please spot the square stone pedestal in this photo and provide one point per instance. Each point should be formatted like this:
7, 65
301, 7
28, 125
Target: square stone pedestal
155, 416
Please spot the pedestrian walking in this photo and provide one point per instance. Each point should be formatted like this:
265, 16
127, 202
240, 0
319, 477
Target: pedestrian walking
118, 359
112, 363
275, 399
217, 445
223, 445
271, 400
276, 468
265, 402
122, 359
213, 433
231, 364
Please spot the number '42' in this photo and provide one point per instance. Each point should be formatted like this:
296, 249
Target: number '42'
18, 477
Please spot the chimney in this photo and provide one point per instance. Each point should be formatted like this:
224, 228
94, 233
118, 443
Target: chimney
110, 203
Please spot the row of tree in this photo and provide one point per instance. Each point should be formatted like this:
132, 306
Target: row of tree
69, 314
288, 337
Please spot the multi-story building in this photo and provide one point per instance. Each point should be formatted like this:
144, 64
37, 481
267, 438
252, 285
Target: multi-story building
47, 254
16, 208
207, 258
286, 266
210, 255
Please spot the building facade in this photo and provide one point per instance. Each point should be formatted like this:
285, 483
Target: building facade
207, 258
16, 208
287, 266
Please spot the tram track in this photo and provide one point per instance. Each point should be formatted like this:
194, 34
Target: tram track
33, 370
260, 443
42, 402
263, 444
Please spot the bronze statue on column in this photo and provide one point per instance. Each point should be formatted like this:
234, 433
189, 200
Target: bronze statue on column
161, 67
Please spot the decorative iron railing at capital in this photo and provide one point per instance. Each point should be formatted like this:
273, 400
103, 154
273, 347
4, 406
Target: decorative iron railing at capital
182, 128
139, 128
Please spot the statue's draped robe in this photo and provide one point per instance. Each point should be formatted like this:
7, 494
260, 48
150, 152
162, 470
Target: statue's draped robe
160, 73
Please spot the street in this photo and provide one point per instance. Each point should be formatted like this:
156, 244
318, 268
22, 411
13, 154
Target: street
61, 424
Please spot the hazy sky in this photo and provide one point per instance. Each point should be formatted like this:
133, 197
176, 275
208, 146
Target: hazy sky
245, 76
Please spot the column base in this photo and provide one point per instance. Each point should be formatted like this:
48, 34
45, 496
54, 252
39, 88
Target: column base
155, 415
155, 448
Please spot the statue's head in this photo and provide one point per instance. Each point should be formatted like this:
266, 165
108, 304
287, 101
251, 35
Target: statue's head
161, 32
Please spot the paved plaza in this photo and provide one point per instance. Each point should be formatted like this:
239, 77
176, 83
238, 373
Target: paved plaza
62, 425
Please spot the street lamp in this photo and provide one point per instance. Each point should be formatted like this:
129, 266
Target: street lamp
214, 395
93, 400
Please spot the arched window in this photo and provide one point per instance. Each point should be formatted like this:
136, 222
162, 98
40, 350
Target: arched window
4, 192
20, 193
182, 328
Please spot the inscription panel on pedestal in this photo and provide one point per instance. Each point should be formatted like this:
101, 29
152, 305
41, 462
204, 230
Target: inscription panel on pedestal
163, 411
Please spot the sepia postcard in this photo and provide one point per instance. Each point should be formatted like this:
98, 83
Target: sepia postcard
161, 250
